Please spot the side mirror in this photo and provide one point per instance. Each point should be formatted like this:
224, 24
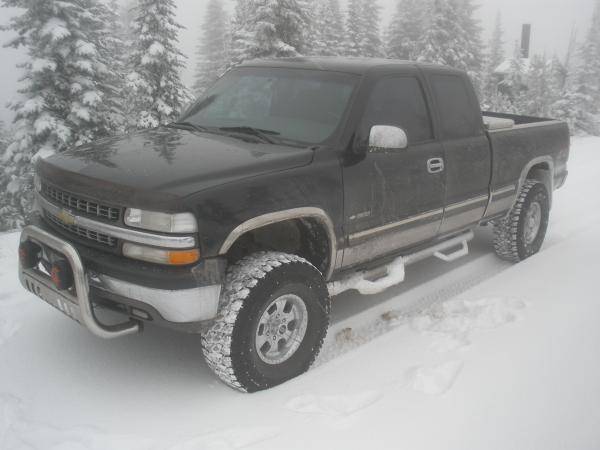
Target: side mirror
386, 137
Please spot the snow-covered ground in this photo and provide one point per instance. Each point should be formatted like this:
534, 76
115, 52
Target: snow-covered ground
477, 354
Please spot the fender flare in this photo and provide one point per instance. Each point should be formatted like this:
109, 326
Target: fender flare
546, 159
281, 216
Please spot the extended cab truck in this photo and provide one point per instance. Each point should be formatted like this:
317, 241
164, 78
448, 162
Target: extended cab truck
287, 182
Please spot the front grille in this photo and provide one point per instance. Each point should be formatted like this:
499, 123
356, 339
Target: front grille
89, 208
82, 232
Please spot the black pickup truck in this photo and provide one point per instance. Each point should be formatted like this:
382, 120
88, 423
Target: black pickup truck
290, 181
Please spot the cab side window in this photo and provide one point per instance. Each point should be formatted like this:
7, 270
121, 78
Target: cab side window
399, 101
459, 117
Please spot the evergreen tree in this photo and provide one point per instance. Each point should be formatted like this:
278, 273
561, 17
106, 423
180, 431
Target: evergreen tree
585, 91
405, 29
66, 93
270, 28
328, 28
115, 53
442, 42
355, 25
372, 46
363, 30
514, 83
453, 37
157, 92
540, 93
127, 16
494, 58
241, 33
565, 106
213, 48
472, 52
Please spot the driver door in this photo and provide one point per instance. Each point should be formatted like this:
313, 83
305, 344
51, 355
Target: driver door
394, 198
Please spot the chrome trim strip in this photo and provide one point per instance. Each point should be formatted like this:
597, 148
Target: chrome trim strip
504, 190
472, 201
392, 225
126, 234
77, 307
280, 216
178, 306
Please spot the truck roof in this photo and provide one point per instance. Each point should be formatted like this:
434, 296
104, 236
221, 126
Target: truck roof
357, 66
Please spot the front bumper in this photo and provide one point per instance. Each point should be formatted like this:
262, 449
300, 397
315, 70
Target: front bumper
170, 307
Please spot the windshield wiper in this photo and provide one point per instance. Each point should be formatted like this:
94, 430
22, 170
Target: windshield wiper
259, 133
188, 126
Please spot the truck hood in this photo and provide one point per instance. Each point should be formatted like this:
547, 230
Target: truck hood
161, 166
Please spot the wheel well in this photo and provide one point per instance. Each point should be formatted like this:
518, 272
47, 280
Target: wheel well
542, 173
305, 237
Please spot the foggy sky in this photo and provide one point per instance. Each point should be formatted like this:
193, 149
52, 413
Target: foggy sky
552, 22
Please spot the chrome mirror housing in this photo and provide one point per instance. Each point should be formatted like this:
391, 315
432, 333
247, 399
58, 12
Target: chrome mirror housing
387, 137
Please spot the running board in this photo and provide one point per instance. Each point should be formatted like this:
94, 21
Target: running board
380, 278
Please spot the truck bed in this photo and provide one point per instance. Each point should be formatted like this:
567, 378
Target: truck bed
521, 142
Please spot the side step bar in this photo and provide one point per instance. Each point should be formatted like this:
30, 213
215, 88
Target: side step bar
380, 278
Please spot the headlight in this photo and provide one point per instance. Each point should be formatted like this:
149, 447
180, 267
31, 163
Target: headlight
159, 256
157, 221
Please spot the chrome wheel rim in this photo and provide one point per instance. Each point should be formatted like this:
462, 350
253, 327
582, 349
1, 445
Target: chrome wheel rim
533, 221
281, 329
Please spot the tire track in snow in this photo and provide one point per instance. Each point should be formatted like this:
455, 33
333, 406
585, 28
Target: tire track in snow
351, 333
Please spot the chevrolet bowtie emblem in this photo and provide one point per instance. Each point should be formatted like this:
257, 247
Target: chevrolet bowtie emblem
66, 217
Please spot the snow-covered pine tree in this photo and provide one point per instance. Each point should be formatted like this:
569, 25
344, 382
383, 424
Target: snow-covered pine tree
453, 37
270, 28
65, 94
585, 90
363, 33
372, 46
472, 54
539, 95
127, 16
115, 53
241, 33
565, 106
494, 57
354, 28
514, 83
213, 48
279, 28
156, 90
3, 138
328, 28
405, 29
442, 42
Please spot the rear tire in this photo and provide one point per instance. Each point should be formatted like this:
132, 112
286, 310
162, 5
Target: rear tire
521, 233
273, 318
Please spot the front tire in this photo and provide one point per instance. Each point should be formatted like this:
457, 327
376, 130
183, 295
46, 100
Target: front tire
273, 318
521, 233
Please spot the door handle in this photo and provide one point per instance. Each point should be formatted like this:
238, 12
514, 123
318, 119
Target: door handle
435, 165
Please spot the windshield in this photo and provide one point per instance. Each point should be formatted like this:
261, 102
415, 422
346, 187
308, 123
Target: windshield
302, 106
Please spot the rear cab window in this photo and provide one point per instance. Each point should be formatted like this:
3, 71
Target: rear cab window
459, 116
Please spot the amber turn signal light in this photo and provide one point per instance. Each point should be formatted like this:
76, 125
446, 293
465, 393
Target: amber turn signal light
161, 256
182, 258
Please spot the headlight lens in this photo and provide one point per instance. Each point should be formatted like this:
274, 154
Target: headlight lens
163, 222
159, 256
